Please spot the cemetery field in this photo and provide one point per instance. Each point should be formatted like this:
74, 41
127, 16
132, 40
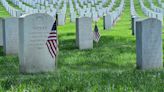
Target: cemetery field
109, 67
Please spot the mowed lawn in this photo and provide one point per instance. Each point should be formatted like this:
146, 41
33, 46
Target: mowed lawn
109, 67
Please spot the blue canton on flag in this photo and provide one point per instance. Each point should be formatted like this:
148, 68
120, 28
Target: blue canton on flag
96, 34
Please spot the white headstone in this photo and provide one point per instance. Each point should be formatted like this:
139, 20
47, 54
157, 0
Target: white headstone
1, 32
149, 44
61, 19
84, 35
34, 54
107, 21
10, 36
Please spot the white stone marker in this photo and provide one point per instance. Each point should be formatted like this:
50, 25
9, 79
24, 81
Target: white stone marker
149, 44
107, 20
61, 19
10, 35
84, 35
34, 54
1, 32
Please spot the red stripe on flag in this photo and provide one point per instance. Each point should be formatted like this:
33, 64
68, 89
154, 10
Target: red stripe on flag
49, 49
51, 36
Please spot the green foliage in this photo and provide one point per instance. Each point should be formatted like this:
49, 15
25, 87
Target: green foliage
109, 67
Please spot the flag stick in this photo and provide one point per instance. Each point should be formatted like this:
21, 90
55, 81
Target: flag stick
96, 42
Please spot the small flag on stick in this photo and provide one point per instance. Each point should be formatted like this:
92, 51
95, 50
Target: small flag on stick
52, 42
96, 34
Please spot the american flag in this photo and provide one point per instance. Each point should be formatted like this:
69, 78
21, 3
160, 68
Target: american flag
52, 43
96, 34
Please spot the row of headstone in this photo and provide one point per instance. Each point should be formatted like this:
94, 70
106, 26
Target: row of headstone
34, 56
87, 10
150, 13
161, 3
27, 37
42, 6
35, 7
12, 11
132, 8
155, 8
134, 17
110, 19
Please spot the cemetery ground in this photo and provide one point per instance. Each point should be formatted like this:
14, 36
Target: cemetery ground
109, 66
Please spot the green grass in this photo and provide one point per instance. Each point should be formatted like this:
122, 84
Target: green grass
146, 3
3, 12
138, 8
107, 3
109, 67
156, 3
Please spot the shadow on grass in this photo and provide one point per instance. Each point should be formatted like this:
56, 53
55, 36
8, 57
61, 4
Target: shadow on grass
1, 51
69, 44
66, 34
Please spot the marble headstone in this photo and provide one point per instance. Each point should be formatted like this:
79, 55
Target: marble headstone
61, 19
84, 35
34, 54
149, 44
107, 22
1, 32
10, 35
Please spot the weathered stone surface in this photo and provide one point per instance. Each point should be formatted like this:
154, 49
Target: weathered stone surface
149, 44
84, 35
1, 32
10, 36
34, 55
107, 22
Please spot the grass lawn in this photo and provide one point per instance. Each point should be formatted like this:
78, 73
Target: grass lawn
109, 67
3, 13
